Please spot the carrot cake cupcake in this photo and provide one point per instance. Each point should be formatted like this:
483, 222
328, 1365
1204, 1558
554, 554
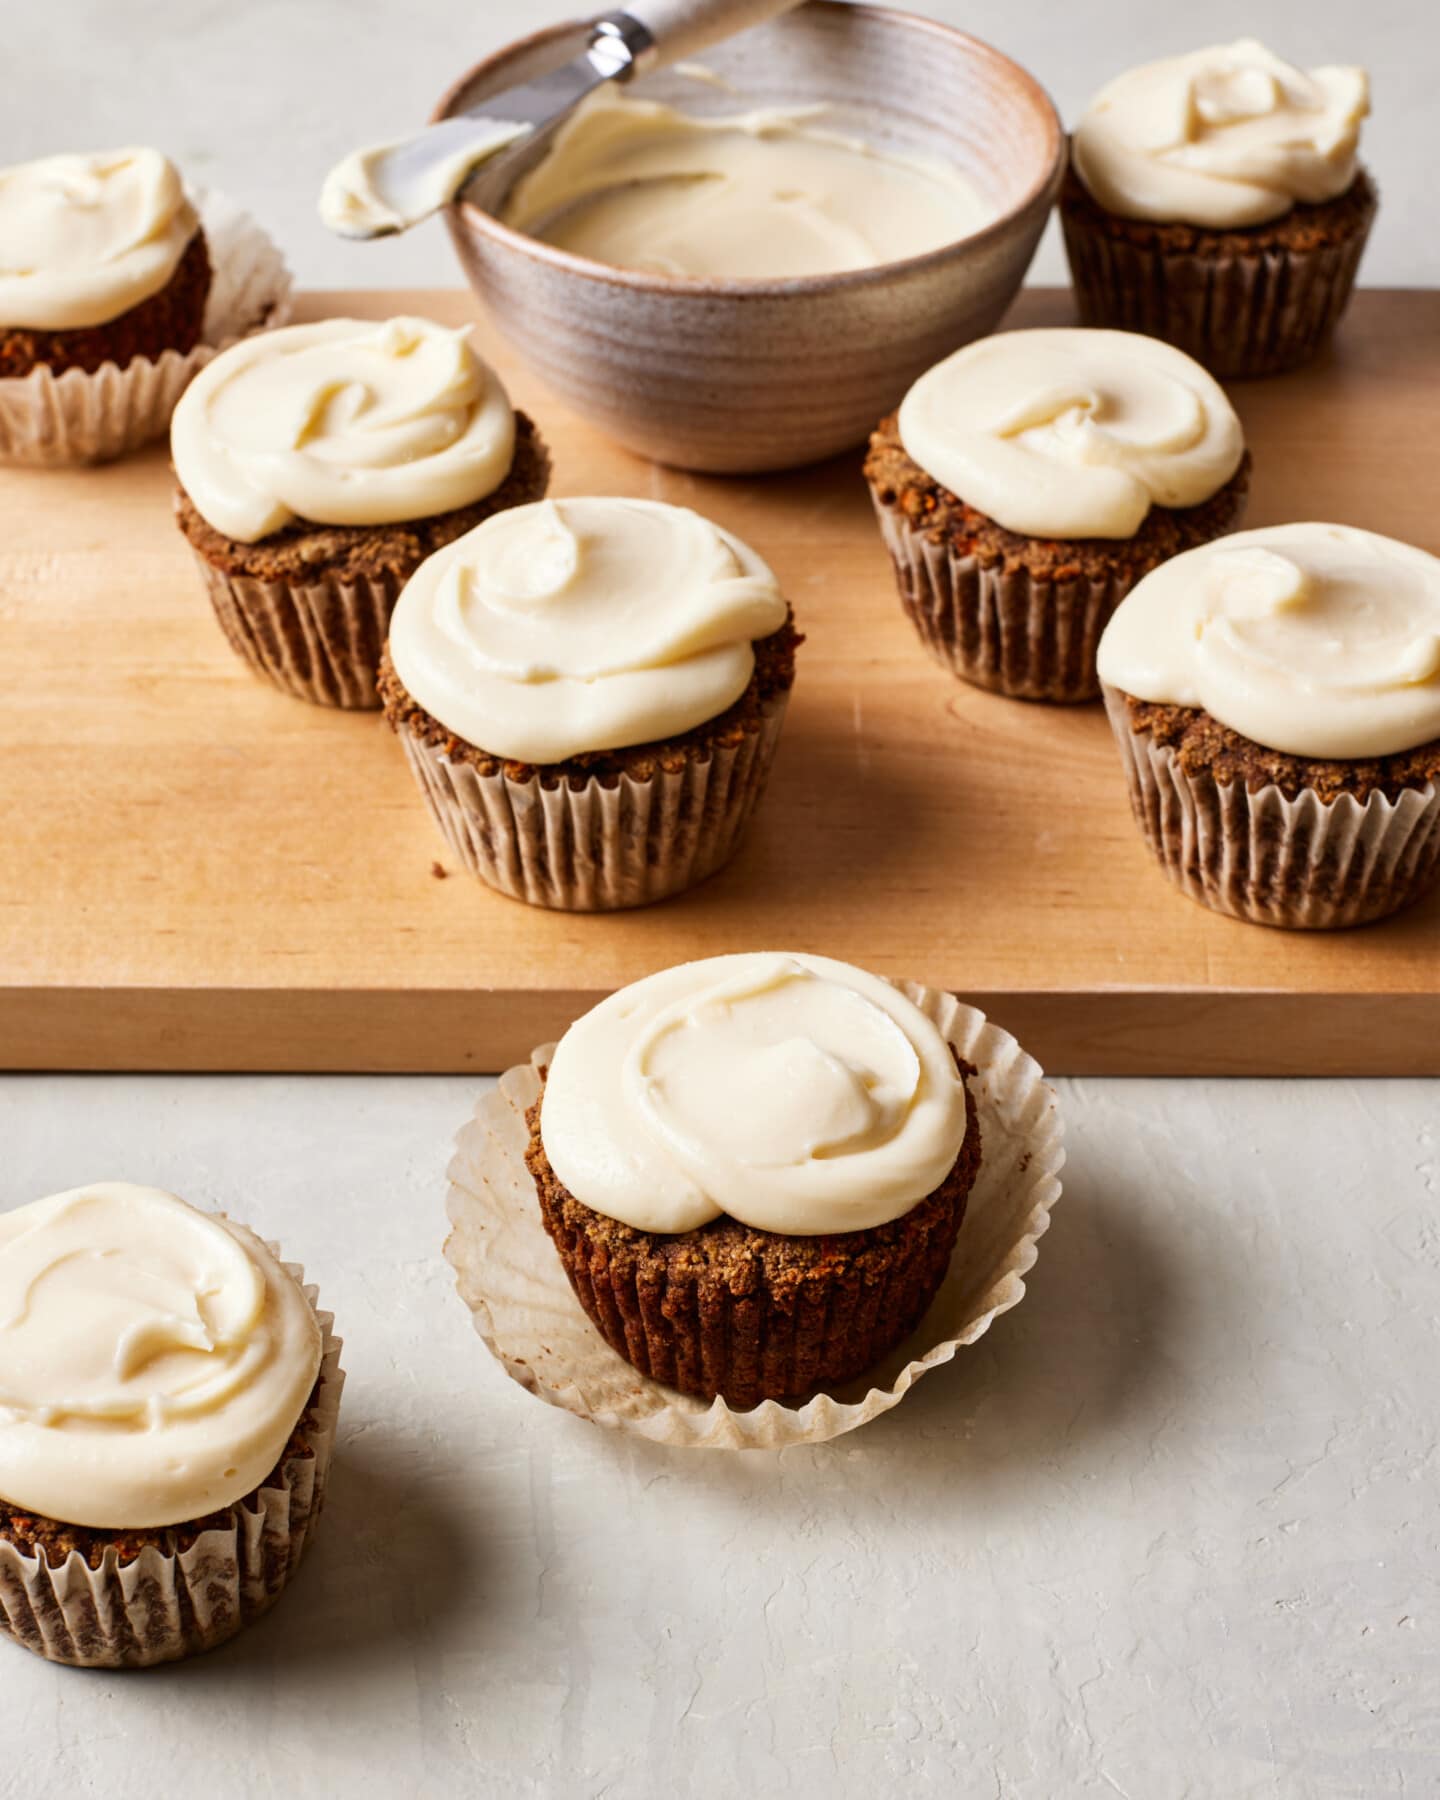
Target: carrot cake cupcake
1028, 482
102, 259
319, 466
1276, 700
168, 1397
754, 1170
1216, 200
590, 693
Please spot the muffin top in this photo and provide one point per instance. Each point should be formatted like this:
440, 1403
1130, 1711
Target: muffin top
346, 422
764, 194
794, 1093
1224, 137
571, 626
1314, 640
153, 1358
1070, 433
83, 238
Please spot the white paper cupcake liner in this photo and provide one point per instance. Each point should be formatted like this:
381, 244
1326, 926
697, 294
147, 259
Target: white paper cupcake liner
1006, 630
48, 420
318, 640
510, 1277
1302, 863
609, 844
163, 1606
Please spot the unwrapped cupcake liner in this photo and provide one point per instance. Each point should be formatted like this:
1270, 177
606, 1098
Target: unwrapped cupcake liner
612, 842
1239, 315
48, 420
162, 1606
515, 1285
319, 640
1303, 863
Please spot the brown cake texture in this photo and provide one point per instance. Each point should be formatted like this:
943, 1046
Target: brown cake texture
1246, 302
170, 319
32, 1534
1019, 615
753, 1315
308, 607
1299, 842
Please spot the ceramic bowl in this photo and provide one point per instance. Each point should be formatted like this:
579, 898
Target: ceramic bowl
744, 376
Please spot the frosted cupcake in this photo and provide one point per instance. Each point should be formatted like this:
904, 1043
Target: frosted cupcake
319, 466
754, 1170
168, 1397
1216, 200
106, 269
1031, 479
1276, 700
590, 693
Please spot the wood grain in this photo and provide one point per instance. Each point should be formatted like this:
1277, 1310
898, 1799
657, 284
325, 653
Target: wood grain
200, 873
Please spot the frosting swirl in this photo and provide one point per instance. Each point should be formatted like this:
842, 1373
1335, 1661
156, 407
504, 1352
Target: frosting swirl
1315, 640
347, 422
85, 238
153, 1359
1224, 137
1069, 433
569, 626
793, 1093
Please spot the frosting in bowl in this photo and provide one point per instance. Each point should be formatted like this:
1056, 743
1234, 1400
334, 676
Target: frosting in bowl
1071, 433
1315, 640
569, 626
153, 1359
83, 238
794, 1093
744, 196
346, 422
1224, 137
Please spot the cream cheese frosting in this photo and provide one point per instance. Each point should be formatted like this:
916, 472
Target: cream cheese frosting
753, 195
373, 191
346, 422
1315, 640
153, 1359
794, 1093
1224, 137
83, 238
1071, 433
569, 626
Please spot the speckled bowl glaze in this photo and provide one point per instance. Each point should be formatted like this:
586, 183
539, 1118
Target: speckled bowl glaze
743, 376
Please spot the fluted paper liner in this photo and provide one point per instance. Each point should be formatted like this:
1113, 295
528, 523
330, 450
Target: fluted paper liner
1006, 630
318, 640
1247, 315
163, 1606
510, 1277
1302, 863
610, 843
47, 420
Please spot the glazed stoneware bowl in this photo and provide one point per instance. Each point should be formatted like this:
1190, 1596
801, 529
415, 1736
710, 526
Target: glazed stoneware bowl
744, 376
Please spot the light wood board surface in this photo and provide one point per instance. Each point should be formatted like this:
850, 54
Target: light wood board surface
201, 873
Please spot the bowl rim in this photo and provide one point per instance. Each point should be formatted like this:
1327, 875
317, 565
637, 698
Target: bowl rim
737, 288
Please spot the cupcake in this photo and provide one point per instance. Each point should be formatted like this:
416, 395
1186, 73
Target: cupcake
1276, 699
590, 693
1030, 480
1215, 200
167, 1412
105, 277
754, 1170
319, 466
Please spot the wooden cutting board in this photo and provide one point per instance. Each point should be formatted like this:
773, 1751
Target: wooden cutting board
200, 873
